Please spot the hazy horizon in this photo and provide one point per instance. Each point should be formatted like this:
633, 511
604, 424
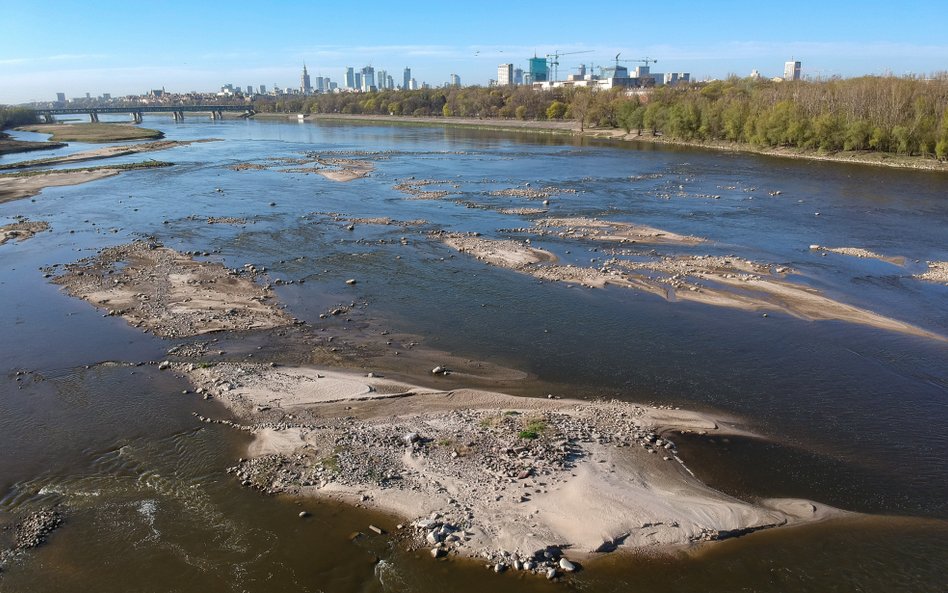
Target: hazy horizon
48, 48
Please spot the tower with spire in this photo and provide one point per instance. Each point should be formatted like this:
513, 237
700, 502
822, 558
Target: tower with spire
305, 87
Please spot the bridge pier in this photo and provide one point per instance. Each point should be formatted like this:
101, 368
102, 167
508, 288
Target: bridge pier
178, 115
93, 117
136, 117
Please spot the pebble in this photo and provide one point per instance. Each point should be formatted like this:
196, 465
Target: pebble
567, 566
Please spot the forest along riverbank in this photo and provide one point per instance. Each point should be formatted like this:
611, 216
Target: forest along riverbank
525, 482
861, 157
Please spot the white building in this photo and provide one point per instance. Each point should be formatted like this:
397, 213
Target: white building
791, 70
505, 75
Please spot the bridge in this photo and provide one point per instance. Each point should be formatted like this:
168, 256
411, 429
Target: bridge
136, 111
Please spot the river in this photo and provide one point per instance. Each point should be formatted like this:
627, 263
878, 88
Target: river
856, 417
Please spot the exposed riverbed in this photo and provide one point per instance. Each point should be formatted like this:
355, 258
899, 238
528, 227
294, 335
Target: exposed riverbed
441, 233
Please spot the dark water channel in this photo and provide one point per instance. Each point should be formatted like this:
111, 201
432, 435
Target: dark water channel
857, 417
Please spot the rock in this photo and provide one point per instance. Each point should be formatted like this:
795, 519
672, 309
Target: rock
439, 370
433, 537
500, 567
351, 281
164, 365
376, 530
567, 566
304, 514
411, 437
437, 552
550, 574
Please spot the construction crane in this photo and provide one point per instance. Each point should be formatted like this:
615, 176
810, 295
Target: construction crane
645, 61
553, 60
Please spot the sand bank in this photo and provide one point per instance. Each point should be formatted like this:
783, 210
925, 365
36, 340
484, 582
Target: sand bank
103, 153
937, 272
170, 294
17, 187
718, 281
860, 253
481, 473
21, 230
335, 168
621, 232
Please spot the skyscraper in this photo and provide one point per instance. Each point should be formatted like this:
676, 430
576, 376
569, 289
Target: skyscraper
518, 76
505, 75
406, 79
455, 81
538, 69
60, 97
357, 80
305, 87
368, 78
791, 70
383, 76
350, 78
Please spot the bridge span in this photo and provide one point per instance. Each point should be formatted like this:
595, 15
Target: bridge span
136, 111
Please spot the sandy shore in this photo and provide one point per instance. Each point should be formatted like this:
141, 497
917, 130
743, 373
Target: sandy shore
621, 232
170, 294
21, 230
485, 474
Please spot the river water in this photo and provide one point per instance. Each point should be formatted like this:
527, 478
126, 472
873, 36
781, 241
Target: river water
856, 417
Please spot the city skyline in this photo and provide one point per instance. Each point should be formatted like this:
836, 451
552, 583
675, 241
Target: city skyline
205, 47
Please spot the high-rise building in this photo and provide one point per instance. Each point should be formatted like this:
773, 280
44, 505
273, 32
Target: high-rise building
263, 89
305, 87
413, 85
538, 69
368, 78
791, 70
390, 82
406, 79
455, 81
249, 89
350, 78
382, 79
505, 75
60, 97
518, 76
357, 80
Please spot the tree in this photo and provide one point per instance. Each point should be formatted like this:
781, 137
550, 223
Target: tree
556, 110
580, 106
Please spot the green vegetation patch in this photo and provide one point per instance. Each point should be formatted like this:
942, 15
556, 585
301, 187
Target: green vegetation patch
94, 132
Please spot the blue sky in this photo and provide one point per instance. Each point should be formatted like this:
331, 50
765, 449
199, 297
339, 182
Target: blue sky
104, 46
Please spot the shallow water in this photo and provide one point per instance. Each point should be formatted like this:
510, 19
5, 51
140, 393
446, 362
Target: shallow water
858, 415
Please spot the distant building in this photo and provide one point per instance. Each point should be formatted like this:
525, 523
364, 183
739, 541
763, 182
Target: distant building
538, 69
263, 89
249, 90
413, 85
676, 77
390, 82
60, 97
791, 70
305, 87
518, 76
368, 78
357, 80
350, 78
455, 81
406, 79
382, 80
755, 74
505, 75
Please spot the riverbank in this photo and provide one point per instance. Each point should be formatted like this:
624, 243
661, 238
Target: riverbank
103, 153
94, 132
572, 128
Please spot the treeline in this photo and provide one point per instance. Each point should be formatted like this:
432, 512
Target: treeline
506, 102
901, 115
16, 116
